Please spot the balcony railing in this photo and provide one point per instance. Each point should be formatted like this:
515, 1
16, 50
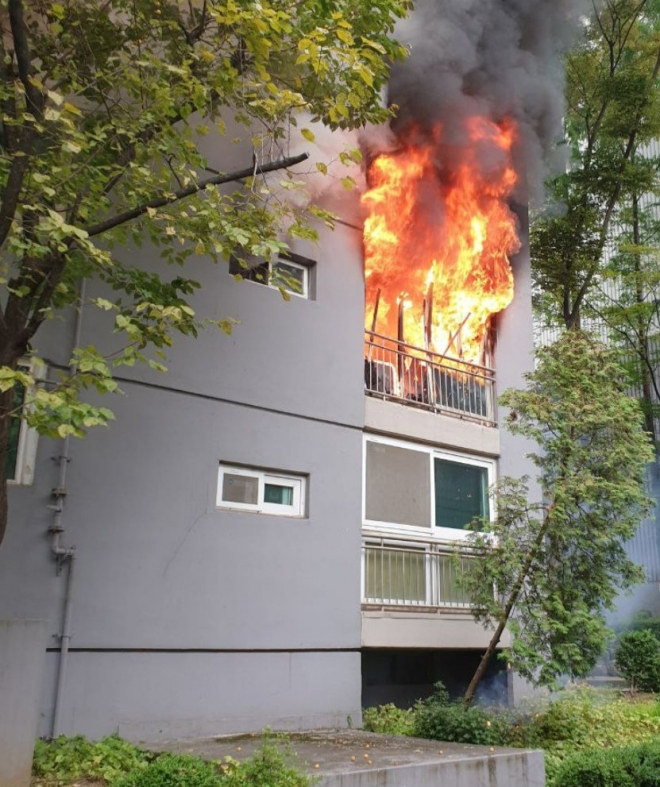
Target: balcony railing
398, 371
403, 573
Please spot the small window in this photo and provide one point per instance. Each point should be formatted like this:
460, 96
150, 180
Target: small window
16, 429
289, 272
261, 491
22, 444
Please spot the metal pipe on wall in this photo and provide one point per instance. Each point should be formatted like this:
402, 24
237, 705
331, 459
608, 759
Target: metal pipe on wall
64, 555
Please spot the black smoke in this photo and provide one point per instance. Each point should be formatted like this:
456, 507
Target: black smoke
498, 58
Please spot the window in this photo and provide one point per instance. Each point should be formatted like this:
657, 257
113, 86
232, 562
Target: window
289, 272
22, 445
424, 487
461, 493
261, 491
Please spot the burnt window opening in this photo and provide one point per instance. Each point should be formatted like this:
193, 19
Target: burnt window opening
288, 271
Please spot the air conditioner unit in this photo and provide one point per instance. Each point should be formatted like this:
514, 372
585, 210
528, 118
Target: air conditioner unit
380, 377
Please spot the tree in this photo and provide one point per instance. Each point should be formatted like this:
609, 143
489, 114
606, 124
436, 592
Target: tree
613, 110
549, 570
103, 105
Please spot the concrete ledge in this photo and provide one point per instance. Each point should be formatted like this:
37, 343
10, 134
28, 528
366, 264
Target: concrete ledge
391, 629
519, 769
353, 758
399, 420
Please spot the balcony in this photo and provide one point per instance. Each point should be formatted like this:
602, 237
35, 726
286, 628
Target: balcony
410, 574
409, 375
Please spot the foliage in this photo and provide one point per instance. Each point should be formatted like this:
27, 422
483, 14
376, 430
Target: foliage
645, 621
558, 564
581, 720
638, 659
585, 720
120, 764
633, 766
105, 107
613, 110
269, 767
174, 770
67, 759
442, 719
389, 719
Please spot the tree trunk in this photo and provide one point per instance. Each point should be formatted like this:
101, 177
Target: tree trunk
485, 661
643, 349
508, 609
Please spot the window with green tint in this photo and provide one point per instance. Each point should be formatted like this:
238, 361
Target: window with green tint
279, 495
15, 423
461, 493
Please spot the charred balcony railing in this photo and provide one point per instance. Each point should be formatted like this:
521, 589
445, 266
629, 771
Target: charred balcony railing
404, 373
403, 573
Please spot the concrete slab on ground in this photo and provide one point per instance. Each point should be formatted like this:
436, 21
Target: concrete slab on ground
353, 758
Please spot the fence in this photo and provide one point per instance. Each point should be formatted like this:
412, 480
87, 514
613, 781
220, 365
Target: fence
417, 574
399, 371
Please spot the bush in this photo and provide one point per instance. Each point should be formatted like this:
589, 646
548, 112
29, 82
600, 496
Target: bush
632, 766
267, 768
174, 770
638, 659
389, 720
604, 768
645, 621
67, 759
443, 720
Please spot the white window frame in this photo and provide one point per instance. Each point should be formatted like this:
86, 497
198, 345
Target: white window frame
28, 437
431, 533
289, 258
297, 482
306, 275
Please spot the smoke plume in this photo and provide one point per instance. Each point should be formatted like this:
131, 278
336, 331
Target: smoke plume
495, 58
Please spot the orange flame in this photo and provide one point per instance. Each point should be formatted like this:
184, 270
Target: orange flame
442, 234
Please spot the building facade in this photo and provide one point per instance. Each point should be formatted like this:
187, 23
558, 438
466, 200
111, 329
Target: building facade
262, 535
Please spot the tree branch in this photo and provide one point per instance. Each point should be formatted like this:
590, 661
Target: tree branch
612, 202
35, 97
134, 213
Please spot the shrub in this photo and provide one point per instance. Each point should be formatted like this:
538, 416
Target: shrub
174, 770
597, 768
269, 767
67, 759
645, 621
389, 719
638, 659
632, 766
441, 719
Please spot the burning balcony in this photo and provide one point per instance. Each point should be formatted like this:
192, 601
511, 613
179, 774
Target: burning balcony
438, 236
400, 372
410, 573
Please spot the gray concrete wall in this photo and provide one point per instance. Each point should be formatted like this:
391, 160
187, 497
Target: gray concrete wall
164, 695
22, 652
188, 619
514, 357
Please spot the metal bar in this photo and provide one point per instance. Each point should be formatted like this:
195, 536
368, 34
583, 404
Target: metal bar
426, 379
410, 577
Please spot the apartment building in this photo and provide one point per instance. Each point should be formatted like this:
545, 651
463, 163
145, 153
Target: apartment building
262, 536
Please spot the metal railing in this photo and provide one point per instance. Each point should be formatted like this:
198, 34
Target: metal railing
399, 371
411, 574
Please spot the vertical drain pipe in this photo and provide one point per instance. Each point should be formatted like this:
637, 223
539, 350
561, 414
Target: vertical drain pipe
64, 555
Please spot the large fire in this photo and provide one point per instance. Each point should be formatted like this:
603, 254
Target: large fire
437, 240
